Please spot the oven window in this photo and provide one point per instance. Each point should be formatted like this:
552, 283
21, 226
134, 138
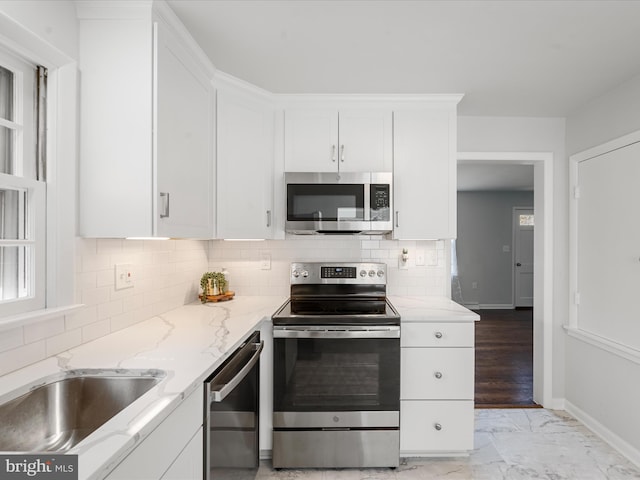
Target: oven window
331, 202
336, 374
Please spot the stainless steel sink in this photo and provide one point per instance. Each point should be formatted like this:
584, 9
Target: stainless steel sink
59, 411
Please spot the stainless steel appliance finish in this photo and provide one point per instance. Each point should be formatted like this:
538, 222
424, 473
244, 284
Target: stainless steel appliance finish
231, 422
62, 410
336, 369
339, 203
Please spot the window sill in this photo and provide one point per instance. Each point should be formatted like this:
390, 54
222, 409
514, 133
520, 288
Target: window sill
28, 318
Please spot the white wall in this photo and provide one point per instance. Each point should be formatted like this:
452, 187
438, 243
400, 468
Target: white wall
601, 387
520, 134
605, 118
485, 222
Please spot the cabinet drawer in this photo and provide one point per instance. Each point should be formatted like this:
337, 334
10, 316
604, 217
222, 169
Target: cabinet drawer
435, 426
437, 334
436, 373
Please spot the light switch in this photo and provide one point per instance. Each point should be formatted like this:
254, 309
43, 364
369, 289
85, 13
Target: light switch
124, 276
420, 258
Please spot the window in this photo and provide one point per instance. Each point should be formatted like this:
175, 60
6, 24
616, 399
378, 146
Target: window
526, 220
22, 186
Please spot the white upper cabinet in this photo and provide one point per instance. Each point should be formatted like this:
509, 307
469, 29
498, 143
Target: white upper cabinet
345, 140
424, 172
146, 142
245, 158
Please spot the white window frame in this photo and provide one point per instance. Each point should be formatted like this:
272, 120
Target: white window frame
62, 156
23, 178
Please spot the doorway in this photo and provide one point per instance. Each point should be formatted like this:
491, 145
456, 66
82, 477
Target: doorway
542, 318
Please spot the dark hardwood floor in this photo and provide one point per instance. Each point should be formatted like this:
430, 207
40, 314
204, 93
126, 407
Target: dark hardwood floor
504, 359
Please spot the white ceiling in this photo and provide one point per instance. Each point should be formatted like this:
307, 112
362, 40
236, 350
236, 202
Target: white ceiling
509, 57
494, 177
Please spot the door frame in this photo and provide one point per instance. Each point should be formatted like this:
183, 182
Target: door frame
542, 262
514, 252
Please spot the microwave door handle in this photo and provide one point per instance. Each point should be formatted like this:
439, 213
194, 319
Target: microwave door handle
224, 390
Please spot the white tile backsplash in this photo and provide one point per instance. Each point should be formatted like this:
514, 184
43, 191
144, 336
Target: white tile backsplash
166, 275
242, 260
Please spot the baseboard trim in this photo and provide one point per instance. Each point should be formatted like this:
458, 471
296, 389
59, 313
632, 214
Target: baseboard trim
619, 444
489, 306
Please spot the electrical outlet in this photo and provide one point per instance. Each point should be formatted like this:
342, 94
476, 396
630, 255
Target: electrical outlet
265, 261
402, 265
474, 285
124, 276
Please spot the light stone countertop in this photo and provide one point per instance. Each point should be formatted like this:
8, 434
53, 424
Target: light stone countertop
431, 309
188, 343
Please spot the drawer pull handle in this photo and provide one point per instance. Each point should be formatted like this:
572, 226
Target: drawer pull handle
438, 334
438, 375
437, 426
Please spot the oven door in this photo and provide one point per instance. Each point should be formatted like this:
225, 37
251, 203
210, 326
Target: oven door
336, 377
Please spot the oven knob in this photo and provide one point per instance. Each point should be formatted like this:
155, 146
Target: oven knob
363, 273
380, 273
372, 273
305, 274
295, 273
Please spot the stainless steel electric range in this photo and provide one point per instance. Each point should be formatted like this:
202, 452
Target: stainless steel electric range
336, 369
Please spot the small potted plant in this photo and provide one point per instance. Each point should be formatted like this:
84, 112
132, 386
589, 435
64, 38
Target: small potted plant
212, 283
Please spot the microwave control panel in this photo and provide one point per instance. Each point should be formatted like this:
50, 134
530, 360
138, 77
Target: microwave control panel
380, 202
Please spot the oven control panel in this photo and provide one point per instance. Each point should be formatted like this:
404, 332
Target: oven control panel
357, 273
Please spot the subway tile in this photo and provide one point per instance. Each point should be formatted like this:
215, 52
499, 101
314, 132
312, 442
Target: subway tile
88, 314
11, 339
22, 356
110, 309
109, 245
43, 330
64, 341
95, 330
96, 296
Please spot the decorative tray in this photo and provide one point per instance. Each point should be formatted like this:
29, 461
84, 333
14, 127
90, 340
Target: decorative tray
218, 298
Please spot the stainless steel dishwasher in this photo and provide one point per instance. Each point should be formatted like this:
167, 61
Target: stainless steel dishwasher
231, 423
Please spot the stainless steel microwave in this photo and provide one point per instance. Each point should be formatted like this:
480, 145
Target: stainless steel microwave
345, 203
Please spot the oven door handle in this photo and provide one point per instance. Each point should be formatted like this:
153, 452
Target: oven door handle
221, 391
336, 332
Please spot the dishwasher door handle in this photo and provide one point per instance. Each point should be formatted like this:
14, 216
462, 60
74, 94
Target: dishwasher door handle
223, 390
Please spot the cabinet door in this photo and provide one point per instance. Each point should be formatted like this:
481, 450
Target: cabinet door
366, 138
188, 465
311, 140
245, 165
183, 145
156, 453
424, 165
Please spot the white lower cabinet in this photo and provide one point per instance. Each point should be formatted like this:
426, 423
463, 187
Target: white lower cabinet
189, 464
436, 388
435, 426
170, 451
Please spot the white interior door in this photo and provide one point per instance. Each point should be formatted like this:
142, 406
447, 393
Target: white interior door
523, 225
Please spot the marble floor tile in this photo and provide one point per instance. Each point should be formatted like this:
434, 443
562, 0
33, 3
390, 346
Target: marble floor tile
510, 444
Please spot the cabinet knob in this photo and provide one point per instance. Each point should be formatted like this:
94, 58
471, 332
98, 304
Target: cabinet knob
438, 334
438, 375
437, 426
